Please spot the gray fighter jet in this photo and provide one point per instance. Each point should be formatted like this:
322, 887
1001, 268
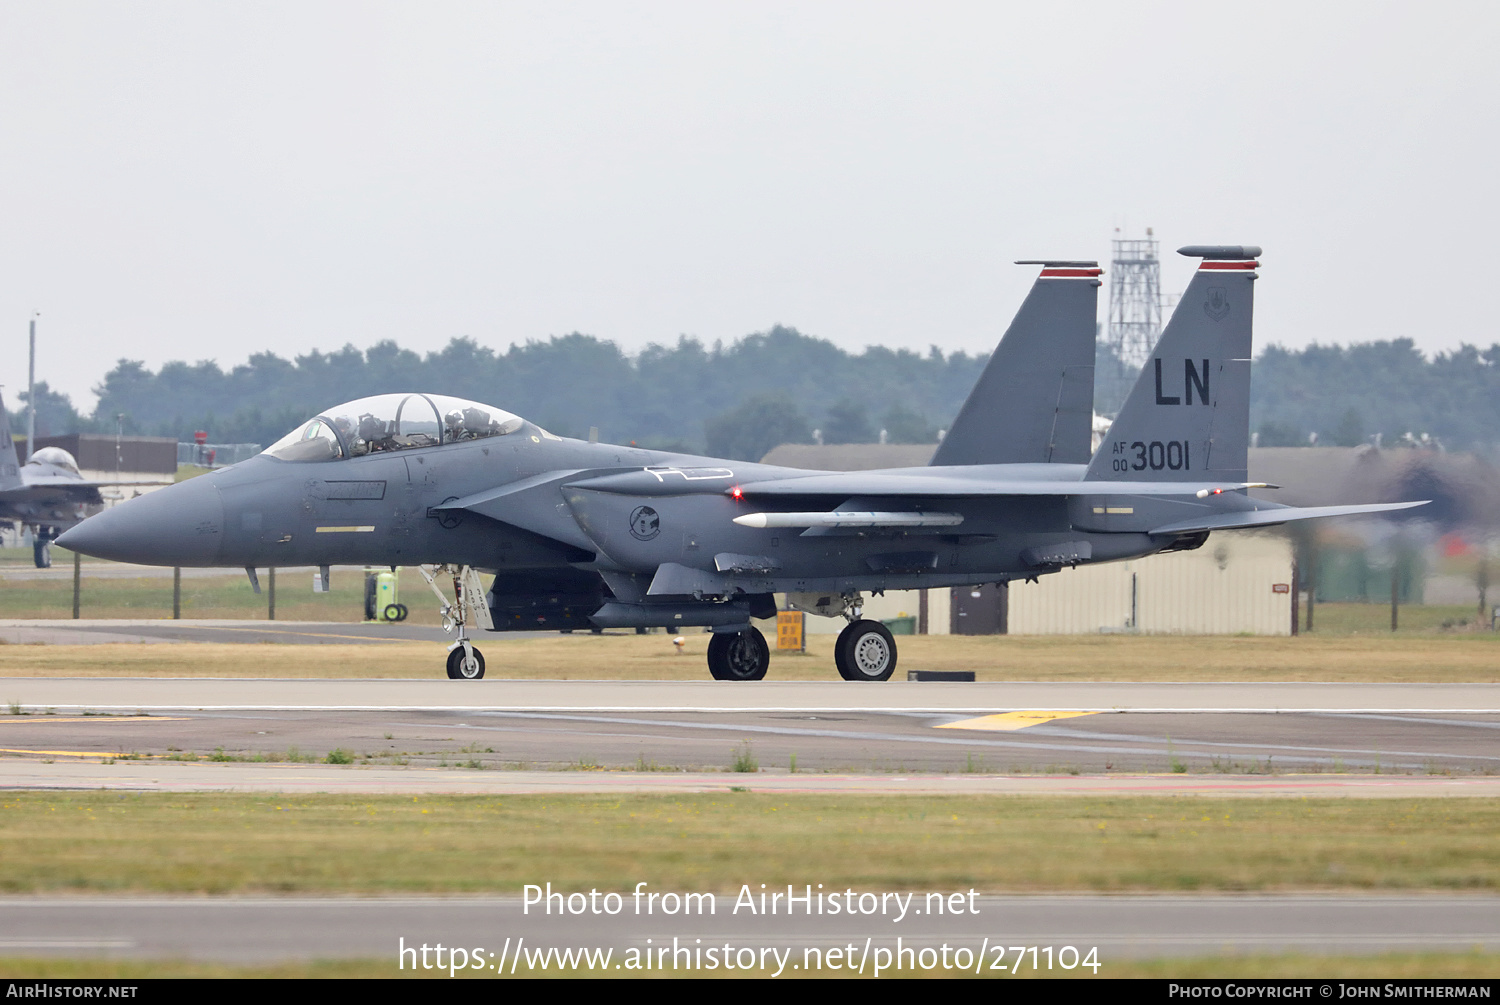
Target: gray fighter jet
47, 494
591, 535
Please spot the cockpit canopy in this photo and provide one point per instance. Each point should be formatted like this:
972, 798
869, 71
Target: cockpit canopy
392, 422
55, 456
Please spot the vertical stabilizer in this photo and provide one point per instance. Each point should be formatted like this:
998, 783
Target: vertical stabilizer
10, 465
1188, 416
1034, 402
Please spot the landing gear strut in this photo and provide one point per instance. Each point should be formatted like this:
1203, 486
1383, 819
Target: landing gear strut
465, 661
41, 546
739, 655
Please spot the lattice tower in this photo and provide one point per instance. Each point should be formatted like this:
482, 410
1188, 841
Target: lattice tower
1134, 300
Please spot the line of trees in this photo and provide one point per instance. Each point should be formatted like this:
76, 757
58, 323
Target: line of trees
778, 386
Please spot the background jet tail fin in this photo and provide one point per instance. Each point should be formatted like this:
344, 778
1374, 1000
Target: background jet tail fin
1034, 402
1188, 416
10, 465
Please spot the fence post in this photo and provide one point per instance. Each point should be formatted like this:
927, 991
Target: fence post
77, 582
271, 614
1395, 590
176, 592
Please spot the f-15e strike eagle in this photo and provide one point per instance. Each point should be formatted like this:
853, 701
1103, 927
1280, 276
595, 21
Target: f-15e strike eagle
590, 535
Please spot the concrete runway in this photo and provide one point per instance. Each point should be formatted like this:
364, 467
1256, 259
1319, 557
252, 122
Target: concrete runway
564, 729
497, 736
155, 775
259, 930
497, 694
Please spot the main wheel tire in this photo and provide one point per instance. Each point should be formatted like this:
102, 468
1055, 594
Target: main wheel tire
41, 551
741, 656
838, 652
865, 651
456, 668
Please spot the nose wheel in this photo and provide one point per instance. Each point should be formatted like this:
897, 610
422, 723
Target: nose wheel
465, 662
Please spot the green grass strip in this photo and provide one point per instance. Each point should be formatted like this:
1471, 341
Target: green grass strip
233, 844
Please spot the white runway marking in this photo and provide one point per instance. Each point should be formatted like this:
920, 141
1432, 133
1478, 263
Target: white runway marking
176, 694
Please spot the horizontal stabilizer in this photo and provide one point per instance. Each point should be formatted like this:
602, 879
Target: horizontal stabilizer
1273, 515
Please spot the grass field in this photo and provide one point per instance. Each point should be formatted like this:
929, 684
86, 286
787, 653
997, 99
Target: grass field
226, 595
582, 656
293, 844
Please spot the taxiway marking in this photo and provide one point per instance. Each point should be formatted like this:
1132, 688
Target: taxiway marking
1011, 720
64, 753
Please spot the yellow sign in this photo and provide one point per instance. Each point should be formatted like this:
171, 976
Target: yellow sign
789, 626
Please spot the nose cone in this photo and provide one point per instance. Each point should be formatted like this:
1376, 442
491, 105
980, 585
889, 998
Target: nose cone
179, 525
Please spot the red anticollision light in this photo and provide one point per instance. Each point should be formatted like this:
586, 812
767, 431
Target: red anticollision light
737, 492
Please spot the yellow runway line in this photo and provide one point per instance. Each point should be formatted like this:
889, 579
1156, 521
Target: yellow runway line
64, 753
1011, 720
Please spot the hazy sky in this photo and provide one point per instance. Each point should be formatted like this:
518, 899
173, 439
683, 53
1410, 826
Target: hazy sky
192, 180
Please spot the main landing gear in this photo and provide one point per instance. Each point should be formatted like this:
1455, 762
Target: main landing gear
41, 546
865, 649
465, 661
738, 655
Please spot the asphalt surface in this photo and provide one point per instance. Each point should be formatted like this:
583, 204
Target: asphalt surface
1250, 730
498, 694
497, 736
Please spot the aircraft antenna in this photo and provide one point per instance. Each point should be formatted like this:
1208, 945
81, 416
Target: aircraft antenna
1134, 317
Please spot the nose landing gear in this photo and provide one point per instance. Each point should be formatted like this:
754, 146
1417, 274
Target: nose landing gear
465, 661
